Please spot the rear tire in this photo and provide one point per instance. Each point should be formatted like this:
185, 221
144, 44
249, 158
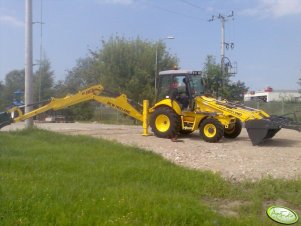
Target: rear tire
211, 130
234, 131
165, 123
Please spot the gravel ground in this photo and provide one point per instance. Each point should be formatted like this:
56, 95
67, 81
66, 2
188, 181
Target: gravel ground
235, 159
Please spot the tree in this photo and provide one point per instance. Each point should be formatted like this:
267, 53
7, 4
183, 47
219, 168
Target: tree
43, 81
121, 66
235, 91
85, 73
14, 81
213, 75
2, 107
59, 88
222, 86
299, 82
128, 66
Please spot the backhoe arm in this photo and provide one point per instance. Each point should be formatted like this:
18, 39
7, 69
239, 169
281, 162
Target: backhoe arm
57, 103
120, 103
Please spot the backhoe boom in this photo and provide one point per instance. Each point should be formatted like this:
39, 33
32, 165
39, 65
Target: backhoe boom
120, 103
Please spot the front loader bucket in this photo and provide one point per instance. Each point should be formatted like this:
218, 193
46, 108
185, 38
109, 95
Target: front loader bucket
262, 129
5, 119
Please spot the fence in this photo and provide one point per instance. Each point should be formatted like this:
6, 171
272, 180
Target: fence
109, 115
291, 109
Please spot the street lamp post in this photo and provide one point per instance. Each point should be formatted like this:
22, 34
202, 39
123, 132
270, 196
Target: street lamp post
156, 63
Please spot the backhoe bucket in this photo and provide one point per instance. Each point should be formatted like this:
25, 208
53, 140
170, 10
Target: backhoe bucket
5, 119
262, 129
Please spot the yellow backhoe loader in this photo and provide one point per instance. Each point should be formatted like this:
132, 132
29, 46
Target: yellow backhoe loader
182, 107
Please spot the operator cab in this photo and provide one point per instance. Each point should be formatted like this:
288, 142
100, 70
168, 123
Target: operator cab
180, 85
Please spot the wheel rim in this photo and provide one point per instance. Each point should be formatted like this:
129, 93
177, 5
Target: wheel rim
210, 130
162, 123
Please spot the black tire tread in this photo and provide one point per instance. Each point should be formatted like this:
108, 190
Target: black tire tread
235, 133
175, 124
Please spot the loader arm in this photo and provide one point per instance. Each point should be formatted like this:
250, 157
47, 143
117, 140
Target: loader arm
243, 113
120, 103
259, 124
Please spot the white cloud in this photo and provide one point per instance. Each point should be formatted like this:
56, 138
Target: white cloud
120, 2
7, 18
274, 8
10, 20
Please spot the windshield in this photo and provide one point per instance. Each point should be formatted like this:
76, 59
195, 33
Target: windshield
169, 82
197, 85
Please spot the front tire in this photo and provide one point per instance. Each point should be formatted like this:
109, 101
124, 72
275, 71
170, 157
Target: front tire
211, 130
165, 123
234, 131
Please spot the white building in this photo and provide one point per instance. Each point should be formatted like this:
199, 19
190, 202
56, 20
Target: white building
273, 95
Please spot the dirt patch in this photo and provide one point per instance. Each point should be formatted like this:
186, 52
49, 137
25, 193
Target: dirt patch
236, 159
226, 207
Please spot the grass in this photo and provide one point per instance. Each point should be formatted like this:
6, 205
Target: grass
54, 179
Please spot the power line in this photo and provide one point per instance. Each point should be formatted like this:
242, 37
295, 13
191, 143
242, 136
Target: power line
206, 9
174, 12
193, 5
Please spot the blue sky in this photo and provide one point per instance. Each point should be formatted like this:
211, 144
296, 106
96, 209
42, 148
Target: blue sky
266, 33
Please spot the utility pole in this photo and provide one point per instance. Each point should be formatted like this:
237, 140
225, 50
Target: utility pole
223, 19
28, 62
